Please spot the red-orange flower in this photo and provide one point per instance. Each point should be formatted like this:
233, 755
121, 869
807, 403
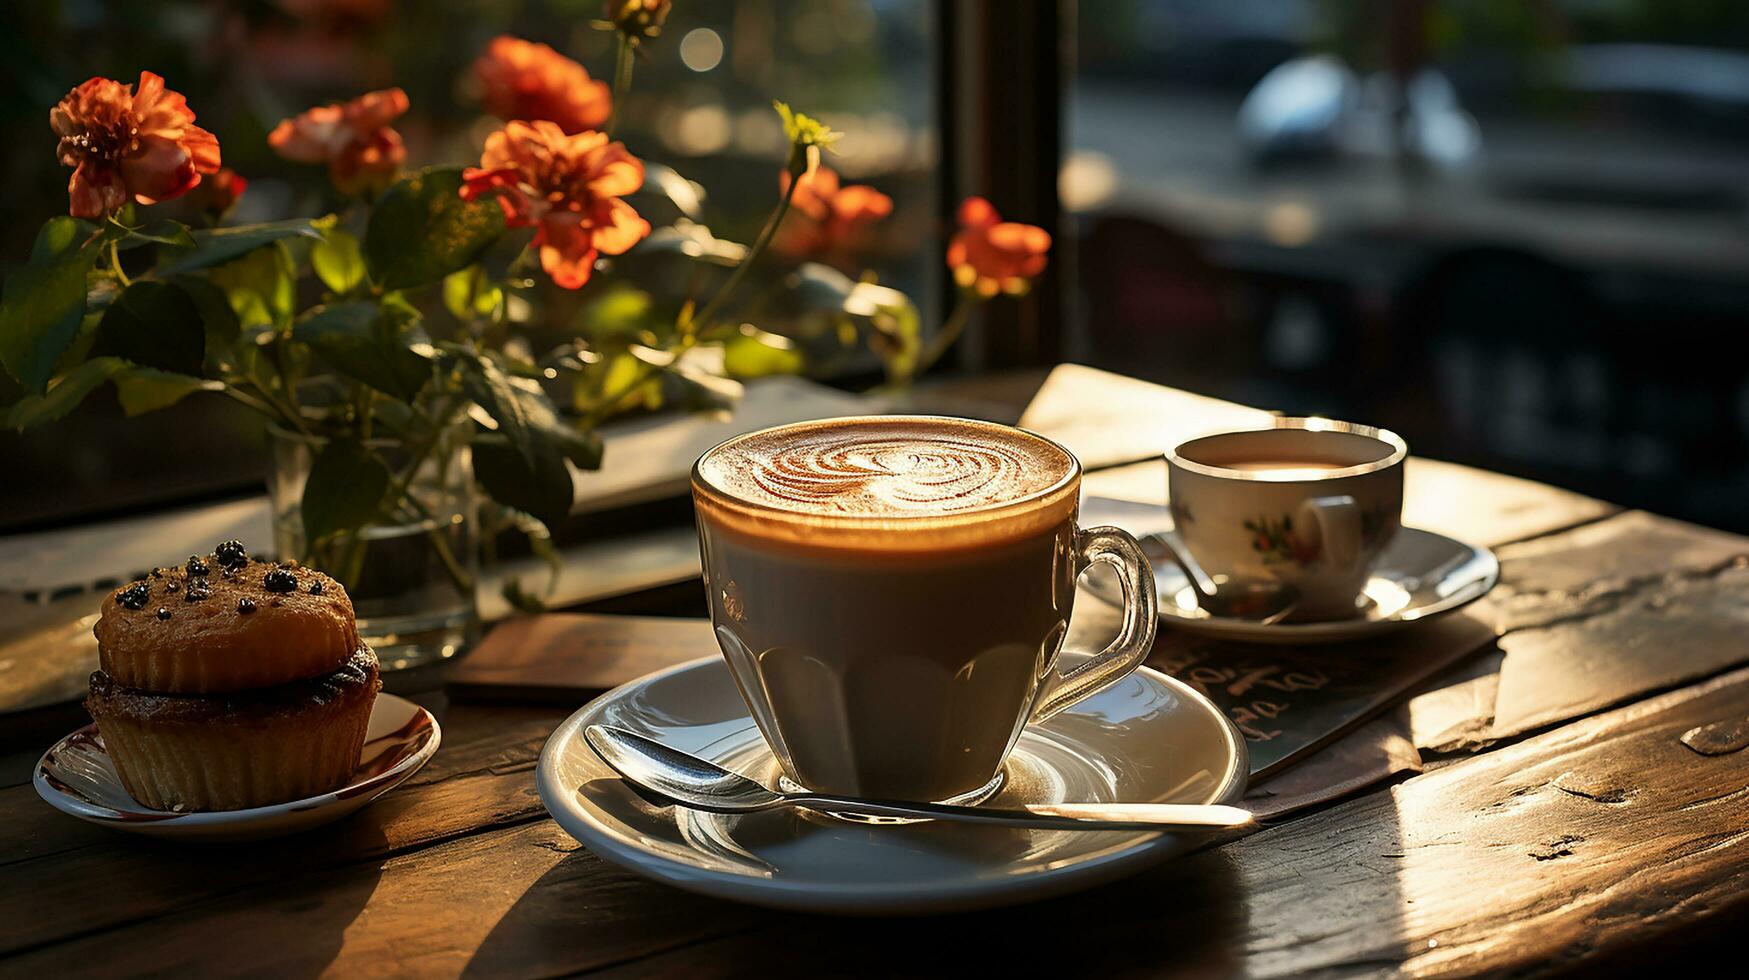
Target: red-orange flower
992, 255
226, 188
525, 80
569, 187
355, 140
126, 142
835, 216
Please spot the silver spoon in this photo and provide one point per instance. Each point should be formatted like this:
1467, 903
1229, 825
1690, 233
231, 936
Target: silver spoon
702, 785
1261, 601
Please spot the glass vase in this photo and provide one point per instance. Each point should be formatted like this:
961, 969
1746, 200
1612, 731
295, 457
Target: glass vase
412, 572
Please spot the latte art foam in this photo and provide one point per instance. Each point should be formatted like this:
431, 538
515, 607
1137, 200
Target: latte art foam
885, 468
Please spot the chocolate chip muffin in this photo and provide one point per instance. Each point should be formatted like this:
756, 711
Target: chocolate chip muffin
230, 683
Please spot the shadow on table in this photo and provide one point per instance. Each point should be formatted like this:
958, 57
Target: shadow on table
583, 913
179, 907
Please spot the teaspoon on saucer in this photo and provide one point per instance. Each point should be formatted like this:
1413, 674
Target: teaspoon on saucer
1264, 602
701, 785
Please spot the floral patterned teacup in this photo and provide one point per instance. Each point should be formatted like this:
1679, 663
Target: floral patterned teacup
1308, 502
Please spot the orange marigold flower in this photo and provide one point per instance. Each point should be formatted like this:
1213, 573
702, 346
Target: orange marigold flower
836, 216
124, 141
992, 255
525, 80
568, 187
354, 139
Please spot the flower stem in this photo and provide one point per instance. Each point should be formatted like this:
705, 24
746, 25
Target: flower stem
950, 331
115, 265
400, 489
703, 319
692, 326
400, 493
266, 405
250, 400
622, 79
458, 575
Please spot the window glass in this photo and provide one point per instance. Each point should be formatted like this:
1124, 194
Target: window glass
700, 103
1517, 231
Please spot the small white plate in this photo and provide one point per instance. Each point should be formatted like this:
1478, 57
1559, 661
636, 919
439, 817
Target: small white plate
77, 777
1147, 738
1420, 575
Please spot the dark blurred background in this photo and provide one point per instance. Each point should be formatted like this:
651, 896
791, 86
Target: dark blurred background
1513, 230
1517, 231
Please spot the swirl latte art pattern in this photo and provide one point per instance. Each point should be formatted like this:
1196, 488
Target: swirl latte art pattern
886, 468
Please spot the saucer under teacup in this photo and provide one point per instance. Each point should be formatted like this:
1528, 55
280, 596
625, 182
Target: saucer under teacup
1420, 574
1147, 738
77, 777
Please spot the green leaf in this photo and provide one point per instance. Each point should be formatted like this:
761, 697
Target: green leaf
162, 232
817, 286
895, 328
140, 390
535, 481
519, 598
217, 317
618, 311
888, 316
619, 374
363, 342
59, 236
43, 302
220, 245
527, 418
695, 241
261, 286
144, 389
469, 294
685, 195
64, 395
345, 487
155, 324
754, 353
421, 230
338, 261
167, 232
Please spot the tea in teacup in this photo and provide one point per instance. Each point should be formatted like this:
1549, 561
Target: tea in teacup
1308, 502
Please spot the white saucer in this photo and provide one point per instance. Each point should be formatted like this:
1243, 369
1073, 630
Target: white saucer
77, 777
1420, 575
1147, 738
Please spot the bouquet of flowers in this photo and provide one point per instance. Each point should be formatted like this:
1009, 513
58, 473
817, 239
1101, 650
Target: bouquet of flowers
395, 341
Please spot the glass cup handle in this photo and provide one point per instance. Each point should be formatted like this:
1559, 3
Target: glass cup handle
1135, 637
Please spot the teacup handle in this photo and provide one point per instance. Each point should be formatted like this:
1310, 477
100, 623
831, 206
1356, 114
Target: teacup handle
1135, 637
1339, 531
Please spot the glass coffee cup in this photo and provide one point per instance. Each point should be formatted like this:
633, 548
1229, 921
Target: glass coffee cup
891, 594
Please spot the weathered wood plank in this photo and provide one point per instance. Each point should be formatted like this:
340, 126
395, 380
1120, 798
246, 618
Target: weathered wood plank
1592, 617
1545, 853
1611, 611
1605, 832
1106, 418
480, 777
520, 901
60, 877
1540, 856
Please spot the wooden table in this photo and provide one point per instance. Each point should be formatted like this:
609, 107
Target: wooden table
1561, 818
